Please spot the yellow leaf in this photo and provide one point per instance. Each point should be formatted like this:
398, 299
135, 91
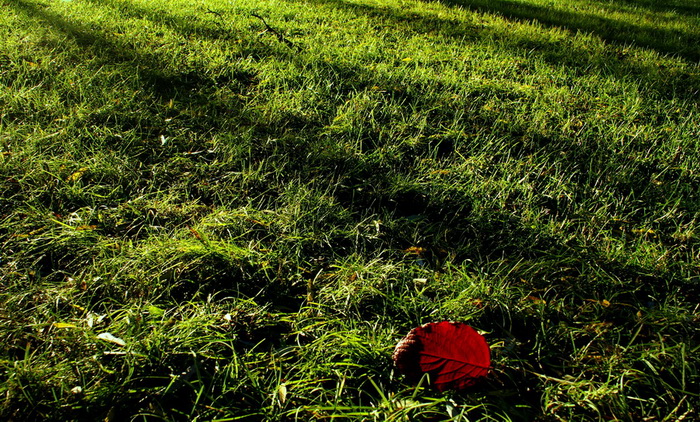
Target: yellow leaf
415, 250
64, 325
440, 172
77, 175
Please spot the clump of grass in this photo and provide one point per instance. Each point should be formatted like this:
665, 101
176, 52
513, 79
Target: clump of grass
200, 222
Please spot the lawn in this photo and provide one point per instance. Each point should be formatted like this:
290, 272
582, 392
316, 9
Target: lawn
234, 210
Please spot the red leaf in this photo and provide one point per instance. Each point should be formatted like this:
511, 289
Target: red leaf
453, 354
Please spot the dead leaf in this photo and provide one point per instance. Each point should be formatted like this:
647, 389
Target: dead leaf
77, 175
415, 250
282, 393
537, 300
108, 337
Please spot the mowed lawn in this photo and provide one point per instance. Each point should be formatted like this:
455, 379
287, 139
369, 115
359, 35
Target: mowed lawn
234, 210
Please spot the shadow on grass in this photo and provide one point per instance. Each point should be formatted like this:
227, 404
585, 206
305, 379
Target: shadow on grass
615, 63
189, 26
190, 87
442, 223
665, 41
683, 7
488, 235
184, 92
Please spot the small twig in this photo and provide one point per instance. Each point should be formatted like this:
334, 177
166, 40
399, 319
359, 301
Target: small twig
218, 15
279, 36
214, 12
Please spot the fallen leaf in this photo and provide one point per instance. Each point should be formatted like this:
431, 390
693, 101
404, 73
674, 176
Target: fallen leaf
282, 393
415, 250
536, 300
77, 175
453, 354
111, 339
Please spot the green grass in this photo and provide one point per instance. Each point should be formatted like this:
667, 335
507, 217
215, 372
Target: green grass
260, 215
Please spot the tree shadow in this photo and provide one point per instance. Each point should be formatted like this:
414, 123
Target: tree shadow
487, 232
443, 224
192, 88
674, 6
452, 223
556, 52
665, 41
187, 85
188, 26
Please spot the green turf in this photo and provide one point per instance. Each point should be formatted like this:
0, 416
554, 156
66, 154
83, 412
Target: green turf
258, 199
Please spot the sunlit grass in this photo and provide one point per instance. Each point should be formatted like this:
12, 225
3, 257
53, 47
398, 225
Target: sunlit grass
203, 218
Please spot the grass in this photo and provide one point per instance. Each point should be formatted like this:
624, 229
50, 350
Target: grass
257, 215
